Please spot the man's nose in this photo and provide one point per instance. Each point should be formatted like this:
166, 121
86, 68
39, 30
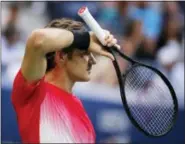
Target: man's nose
92, 59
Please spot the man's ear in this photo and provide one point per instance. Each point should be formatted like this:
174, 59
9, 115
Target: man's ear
61, 56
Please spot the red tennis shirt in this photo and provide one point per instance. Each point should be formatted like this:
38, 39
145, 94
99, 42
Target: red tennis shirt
47, 114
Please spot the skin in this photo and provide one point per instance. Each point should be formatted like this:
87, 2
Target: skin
67, 71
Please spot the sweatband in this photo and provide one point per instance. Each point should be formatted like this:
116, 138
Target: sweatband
81, 41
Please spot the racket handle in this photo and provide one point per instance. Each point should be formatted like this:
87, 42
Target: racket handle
84, 13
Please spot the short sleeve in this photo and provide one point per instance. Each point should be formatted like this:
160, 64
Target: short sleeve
22, 90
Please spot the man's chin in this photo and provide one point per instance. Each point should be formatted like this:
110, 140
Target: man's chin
84, 79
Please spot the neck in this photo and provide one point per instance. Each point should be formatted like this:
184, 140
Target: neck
60, 79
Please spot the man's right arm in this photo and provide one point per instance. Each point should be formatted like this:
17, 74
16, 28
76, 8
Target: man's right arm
41, 42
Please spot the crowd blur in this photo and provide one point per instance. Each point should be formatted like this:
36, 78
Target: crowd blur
147, 31
151, 32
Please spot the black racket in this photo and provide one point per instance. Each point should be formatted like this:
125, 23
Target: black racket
147, 96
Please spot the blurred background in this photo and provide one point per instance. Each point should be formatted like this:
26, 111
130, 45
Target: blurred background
151, 32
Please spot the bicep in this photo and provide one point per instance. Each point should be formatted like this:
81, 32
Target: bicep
41, 42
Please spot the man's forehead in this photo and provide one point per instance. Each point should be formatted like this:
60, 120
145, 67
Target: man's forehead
77, 51
82, 51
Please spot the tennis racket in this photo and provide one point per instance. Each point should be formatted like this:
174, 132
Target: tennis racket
147, 96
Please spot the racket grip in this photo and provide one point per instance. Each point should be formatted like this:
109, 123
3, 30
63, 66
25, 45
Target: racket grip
84, 13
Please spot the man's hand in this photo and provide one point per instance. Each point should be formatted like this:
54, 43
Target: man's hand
96, 47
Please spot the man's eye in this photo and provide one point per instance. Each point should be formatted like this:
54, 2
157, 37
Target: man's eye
86, 54
82, 55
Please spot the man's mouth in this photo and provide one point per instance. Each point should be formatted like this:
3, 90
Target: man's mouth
89, 68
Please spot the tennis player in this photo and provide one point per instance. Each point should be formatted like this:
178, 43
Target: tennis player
55, 58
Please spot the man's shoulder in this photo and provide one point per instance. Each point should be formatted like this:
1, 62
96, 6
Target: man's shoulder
21, 85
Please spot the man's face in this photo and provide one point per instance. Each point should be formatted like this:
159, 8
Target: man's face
79, 65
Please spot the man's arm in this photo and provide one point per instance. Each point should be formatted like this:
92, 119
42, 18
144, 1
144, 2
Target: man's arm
41, 42
47, 40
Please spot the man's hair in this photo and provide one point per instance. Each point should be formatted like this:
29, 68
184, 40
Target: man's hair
63, 23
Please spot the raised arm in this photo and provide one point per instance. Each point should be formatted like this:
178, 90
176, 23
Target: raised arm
47, 40
41, 42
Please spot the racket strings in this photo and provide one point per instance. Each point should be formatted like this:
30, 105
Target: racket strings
144, 121
149, 100
157, 113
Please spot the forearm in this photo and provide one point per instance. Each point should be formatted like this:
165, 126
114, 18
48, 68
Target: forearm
52, 39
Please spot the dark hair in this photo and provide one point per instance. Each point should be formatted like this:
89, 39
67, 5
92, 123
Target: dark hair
63, 23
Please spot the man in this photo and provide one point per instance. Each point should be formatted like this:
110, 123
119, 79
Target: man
55, 58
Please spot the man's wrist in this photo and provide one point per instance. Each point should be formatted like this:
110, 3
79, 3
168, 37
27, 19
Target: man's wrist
81, 40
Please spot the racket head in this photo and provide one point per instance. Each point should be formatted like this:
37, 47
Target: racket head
144, 118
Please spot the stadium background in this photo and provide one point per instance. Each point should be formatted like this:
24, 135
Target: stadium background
152, 32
